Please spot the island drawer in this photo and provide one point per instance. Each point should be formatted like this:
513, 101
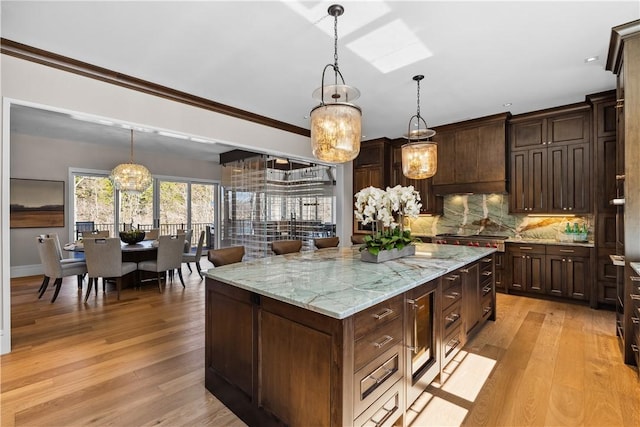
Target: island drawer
377, 342
451, 295
385, 411
487, 306
451, 344
450, 280
376, 377
380, 314
451, 317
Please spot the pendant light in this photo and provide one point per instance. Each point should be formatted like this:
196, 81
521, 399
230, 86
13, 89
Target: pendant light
336, 126
131, 177
419, 154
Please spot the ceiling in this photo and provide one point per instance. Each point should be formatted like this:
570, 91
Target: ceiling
266, 57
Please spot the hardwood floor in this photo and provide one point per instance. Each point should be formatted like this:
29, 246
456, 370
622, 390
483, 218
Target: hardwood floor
140, 361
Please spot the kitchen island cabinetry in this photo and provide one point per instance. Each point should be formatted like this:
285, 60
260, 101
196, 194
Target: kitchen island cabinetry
284, 348
551, 161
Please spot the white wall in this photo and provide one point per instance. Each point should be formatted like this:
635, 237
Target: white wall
30, 83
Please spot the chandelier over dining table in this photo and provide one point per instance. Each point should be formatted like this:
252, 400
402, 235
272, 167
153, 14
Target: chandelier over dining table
131, 177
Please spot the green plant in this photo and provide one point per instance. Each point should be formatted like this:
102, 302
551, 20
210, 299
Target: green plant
388, 239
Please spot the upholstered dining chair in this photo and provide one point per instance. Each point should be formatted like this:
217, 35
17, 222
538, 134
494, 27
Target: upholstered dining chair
96, 234
357, 239
152, 234
63, 260
188, 234
188, 257
53, 268
280, 247
326, 242
169, 258
104, 259
224, 256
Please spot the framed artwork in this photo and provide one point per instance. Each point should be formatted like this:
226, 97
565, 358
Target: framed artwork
36, 203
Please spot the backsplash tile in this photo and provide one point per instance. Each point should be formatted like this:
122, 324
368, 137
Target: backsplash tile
489, 214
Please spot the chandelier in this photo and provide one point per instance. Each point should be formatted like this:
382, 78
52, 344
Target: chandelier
419, 154
336, 125
131, 177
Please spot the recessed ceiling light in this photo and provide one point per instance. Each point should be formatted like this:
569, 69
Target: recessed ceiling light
591, 59
507, 104
172, 135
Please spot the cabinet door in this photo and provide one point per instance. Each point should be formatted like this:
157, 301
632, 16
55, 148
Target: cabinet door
466, 156
365, 177
556, 275
606, 181
578, 178
518, 272
557, 179
446, 159
471, 295
535, 273
519, 174
569, 128
528, 134
536, 189
578, 278
491, 153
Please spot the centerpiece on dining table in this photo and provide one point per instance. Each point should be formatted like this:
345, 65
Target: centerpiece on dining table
386, 212
133, 236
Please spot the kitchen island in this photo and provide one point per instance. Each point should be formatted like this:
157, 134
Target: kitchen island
322, 338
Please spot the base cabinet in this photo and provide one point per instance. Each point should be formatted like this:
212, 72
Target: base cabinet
273, 363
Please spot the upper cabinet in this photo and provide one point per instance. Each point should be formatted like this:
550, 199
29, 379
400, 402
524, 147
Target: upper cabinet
371, 167
472, 156
551, 161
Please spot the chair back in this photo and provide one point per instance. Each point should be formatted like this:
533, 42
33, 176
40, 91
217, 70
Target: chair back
224, 256
56, 239
200, 245
152, 234
188, 235
281, 247
104, 257
49, 257
95, 234
170, 252
326, 242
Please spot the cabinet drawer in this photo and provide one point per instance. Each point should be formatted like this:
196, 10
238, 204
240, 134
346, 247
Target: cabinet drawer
486, 278
452, 317
451, 279
451, 344
451, 296
380, 314
486, 290
521, 248
377, 342
385, 411
376, 377
487, 306
580, 251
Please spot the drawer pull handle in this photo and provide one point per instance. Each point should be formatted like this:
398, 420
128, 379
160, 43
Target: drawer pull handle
452, 295
452, 318
486, 259
486, 290
383, 314
385, 375
634, 348
635, 278
570, 251
452, 277
386, 340
464, 270
635, 297
526, 248
487, 273
635, 320
487, 310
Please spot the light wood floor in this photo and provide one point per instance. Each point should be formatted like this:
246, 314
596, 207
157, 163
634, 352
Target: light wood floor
140, 361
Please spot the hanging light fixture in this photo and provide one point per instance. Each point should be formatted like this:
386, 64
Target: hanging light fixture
336, 126
419, 155
131, 177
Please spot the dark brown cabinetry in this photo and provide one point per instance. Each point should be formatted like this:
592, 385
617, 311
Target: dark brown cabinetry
431, 204
568, 272
371, 167
551, 161
624, 61
500, 273
605, 173
472, 156
527, 266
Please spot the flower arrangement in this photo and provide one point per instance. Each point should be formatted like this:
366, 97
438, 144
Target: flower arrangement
386, 211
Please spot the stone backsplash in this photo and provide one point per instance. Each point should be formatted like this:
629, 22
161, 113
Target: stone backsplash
489, 214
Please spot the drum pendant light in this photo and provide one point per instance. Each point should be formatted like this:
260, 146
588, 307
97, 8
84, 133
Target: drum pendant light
419, 154
131, 177
336, 126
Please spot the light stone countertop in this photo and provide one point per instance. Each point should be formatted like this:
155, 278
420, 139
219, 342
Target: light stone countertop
635, 266
335, 282
549, 242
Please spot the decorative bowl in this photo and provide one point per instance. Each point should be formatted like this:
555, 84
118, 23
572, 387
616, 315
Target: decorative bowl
132, 237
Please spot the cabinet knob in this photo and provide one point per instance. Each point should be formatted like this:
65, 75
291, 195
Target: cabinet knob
564, 209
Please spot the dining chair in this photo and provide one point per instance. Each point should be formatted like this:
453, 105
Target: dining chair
326, 242
104, 259
224, 256
169, 258
53, 268
95, 234
188, 257
357, 239
280, 247
152, 234
63, 260
188, 235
